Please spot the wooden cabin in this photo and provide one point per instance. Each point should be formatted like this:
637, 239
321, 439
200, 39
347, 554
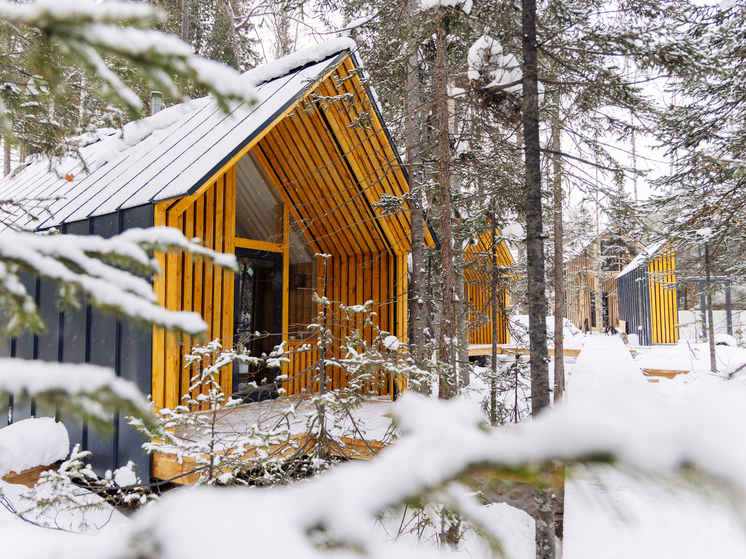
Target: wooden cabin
591, 298
482, 259
297, 175
647, 296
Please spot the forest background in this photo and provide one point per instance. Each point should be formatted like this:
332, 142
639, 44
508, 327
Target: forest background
499, 110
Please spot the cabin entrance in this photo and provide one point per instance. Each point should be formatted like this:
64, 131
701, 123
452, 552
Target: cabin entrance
258, 323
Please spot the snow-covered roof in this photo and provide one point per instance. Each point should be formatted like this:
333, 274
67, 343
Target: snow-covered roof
169, 154
645, 255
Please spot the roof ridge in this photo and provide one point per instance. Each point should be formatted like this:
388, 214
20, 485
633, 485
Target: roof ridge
298, 60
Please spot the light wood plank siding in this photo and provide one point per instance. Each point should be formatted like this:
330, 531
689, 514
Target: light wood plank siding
478, 288
663, 307
330, 160
194, 285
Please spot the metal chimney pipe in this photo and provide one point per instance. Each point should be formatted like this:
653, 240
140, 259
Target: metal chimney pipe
157, 102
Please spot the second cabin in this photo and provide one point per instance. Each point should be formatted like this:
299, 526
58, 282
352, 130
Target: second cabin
647, 296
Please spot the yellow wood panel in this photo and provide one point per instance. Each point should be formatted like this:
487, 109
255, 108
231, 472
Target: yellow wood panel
258, 245
187, 296
208, 268
363, 150
286, 273
173, 302
329, 179
229, 247
217, 301
322, 204
387, 171
159, 334
295, 190
185, 202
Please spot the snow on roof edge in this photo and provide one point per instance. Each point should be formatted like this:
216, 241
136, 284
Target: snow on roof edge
297, 60
646, 254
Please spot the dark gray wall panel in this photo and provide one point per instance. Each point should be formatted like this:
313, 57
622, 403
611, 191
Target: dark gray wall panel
25, 341
49, 343
135, 362
141, 217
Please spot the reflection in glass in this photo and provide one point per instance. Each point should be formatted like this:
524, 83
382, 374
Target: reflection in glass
302, 311
256, 314
258, 208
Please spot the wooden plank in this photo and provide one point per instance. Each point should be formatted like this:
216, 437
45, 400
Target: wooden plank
386, 174
308, 135
159, 334
217, 300
373, 180
174, 285
187, 300
285, 273
258, 245
322, 204
277, 173
295, 190
667, 373
184, 203
207, 293
30, 476
229, 278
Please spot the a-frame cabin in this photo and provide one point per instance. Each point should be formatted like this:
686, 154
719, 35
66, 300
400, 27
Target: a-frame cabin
296, 175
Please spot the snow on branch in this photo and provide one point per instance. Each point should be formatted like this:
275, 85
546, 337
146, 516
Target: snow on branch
87, 392
100, 268
443, 441
94, 30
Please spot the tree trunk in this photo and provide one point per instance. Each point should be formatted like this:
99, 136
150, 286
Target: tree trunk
536, 292
710, 321
493, 379
417, 306
559, 276
6, 156
447, 311
185, 20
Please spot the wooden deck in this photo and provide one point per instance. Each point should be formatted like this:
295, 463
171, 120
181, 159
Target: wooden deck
477, 350
232, 422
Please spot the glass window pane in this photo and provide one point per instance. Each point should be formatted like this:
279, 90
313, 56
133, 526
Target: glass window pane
258, 208
302, 311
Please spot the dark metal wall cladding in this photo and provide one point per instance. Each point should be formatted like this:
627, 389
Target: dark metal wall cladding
87, 336
629, 303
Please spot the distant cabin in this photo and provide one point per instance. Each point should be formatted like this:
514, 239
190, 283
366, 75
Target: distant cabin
591, 298
647, 295
297, 175
487, 262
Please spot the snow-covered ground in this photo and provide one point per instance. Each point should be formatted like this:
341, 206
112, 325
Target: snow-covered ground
573, 337
691, 356
612, 513
609, 512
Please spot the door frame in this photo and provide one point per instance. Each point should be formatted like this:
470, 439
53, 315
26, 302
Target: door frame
277, 258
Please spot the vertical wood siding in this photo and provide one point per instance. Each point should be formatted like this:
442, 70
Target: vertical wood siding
478, 290
194, 285
663, 307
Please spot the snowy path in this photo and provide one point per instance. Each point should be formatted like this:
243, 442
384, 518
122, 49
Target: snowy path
612, 514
